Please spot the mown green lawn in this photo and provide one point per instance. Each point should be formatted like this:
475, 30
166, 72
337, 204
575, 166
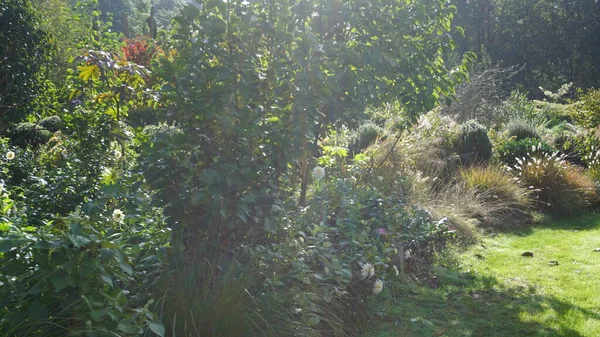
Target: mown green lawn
491, 290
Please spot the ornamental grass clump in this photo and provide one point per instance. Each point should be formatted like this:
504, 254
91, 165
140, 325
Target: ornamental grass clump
522, 129
558, 187
495, 184
483, 196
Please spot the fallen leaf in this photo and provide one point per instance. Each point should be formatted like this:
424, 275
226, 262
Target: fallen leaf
439, 333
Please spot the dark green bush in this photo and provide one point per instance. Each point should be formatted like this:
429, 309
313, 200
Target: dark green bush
474, 144
52, 123
510, 151
367, 134
522, 129
24, 134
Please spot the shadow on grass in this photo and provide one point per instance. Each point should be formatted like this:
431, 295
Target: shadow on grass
467, 305
587, 221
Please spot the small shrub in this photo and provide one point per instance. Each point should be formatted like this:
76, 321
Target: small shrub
23, 134
141, 50
366, 135
558, 188
52, 123
511, 151
518, 106
522, 129
474, 145
588, 112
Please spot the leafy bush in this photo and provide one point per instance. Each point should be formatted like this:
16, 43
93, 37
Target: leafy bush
522, 129
588, 113
76, 275
23, 134
474, 145
518, 106
558, 188
366, 135
509, 152
141, 50
345, 240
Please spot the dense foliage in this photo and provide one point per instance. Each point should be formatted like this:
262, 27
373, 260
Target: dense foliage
259, 168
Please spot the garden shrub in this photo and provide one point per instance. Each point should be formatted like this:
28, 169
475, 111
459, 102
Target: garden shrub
509, 152
80, 275
558, 188
366, 135
23, 134
588, 112
474, 145
22, 62
470, 207
52, 123
344, 241
522, 129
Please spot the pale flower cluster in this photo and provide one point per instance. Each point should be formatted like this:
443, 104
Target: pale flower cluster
118, 215
318, 173
10, 155
367, 270
377, 287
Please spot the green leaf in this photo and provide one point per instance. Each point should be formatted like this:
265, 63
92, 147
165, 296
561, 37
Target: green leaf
6, 245
60, 280
76, 236
98, 315
85, 72
126, 268
127, 327
157, 327
106, 254
107, 279
122, 261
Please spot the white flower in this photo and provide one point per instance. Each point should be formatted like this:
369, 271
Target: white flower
118, 155
396, 271
377, 287
367, 270
118, 215
10, 155
318, 173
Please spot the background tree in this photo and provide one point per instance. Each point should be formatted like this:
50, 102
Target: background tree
557, 41
20, 65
